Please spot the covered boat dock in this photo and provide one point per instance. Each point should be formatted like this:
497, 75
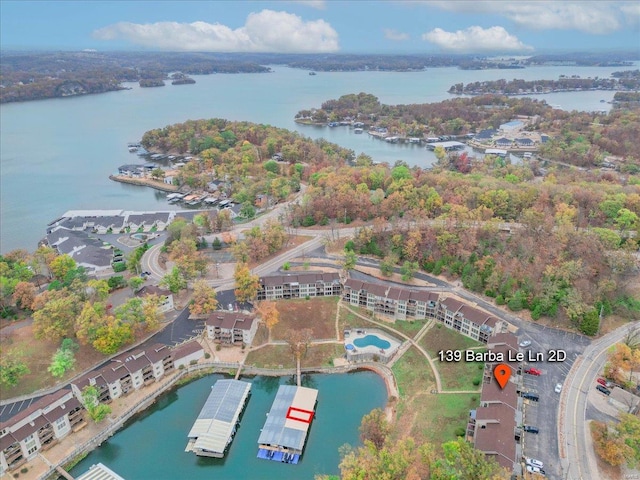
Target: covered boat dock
216, 424
285, 432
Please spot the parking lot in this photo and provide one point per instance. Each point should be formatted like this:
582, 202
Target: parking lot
543, 414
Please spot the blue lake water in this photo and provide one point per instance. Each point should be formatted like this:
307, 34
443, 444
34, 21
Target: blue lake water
56, 155
152, 445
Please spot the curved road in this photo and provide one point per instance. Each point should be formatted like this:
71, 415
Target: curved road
578, 461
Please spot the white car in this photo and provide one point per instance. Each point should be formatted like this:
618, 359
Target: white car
532, 469
558, 388
525, 343
534, 463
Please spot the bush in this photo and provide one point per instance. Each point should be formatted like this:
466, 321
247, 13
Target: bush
119, 267
476, 381
500, 300
193, 362
286, 266
207, 355
24, 470
460, 431
350, 245
218, 347
181, 367
116, 282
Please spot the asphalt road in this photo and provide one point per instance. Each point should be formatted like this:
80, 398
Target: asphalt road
578, 461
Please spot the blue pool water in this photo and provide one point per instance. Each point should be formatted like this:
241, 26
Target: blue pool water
371, 340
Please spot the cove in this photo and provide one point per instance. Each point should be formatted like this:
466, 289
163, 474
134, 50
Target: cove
151, 445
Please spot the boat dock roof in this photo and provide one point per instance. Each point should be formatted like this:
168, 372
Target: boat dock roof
99, 472
216, 423
446, 145
289, 418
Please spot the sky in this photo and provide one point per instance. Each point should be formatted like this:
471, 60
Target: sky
516, 27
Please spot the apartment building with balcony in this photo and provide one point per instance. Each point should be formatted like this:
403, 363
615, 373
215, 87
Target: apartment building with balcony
302, 285
231, 328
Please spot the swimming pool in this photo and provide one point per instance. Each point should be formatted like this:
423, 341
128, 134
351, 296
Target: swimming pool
371, 340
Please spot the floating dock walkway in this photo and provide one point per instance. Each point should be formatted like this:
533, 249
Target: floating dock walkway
216, 424
285, 432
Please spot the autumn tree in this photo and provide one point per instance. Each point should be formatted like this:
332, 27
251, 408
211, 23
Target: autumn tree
89, 320
374, 428
61, 265
188, 260
268, 312
247, 284
55, 319
609, 444
112, 335
204, 299
24, 294
298, 341
622, 362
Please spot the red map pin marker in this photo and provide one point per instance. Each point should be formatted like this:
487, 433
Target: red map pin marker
502, 373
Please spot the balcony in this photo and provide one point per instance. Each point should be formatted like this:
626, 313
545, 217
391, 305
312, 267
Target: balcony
46, 436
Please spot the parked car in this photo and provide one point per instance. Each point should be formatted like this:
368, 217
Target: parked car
602, 381
533, 462
530, 396
532, 469
558, 388
525, 343
530, 429
533, 371
602, 389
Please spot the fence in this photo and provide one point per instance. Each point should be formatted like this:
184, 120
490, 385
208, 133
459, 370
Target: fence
145, 402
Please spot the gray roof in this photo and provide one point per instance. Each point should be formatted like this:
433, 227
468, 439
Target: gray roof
110, 221
148, 218
216, 422
278, 430
84, 249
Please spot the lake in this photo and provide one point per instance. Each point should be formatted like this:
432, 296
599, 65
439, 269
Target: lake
56, 155
152, 445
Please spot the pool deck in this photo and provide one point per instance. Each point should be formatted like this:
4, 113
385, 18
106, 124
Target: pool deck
359, 333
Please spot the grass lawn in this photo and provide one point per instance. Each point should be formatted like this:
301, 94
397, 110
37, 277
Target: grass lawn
409, 327
261, 337
460, 375
318, 314
436, 417
273, 356
440, 337
413, 374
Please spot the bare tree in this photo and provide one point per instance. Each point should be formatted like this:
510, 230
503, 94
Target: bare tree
299, 341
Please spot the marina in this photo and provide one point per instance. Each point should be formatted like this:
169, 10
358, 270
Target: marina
218, 420
284, 433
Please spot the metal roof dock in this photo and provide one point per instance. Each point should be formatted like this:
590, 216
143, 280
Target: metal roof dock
99, 472
285, 432
216, 424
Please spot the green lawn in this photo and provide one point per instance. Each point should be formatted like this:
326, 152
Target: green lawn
438, 416
460, 375
349, 320
440, 337
413, 374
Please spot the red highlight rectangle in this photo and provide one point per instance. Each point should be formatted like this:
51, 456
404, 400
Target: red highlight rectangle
300, 415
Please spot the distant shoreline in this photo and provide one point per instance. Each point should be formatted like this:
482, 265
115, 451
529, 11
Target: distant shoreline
144, 182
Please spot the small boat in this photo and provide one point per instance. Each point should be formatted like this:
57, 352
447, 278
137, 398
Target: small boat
358, 130
312, 73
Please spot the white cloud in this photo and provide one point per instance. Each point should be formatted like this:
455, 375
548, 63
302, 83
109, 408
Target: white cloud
266, 31
475, 39
394, 35
591, 17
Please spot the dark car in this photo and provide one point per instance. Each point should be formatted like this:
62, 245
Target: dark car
530, 429
530, 396
602, 389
